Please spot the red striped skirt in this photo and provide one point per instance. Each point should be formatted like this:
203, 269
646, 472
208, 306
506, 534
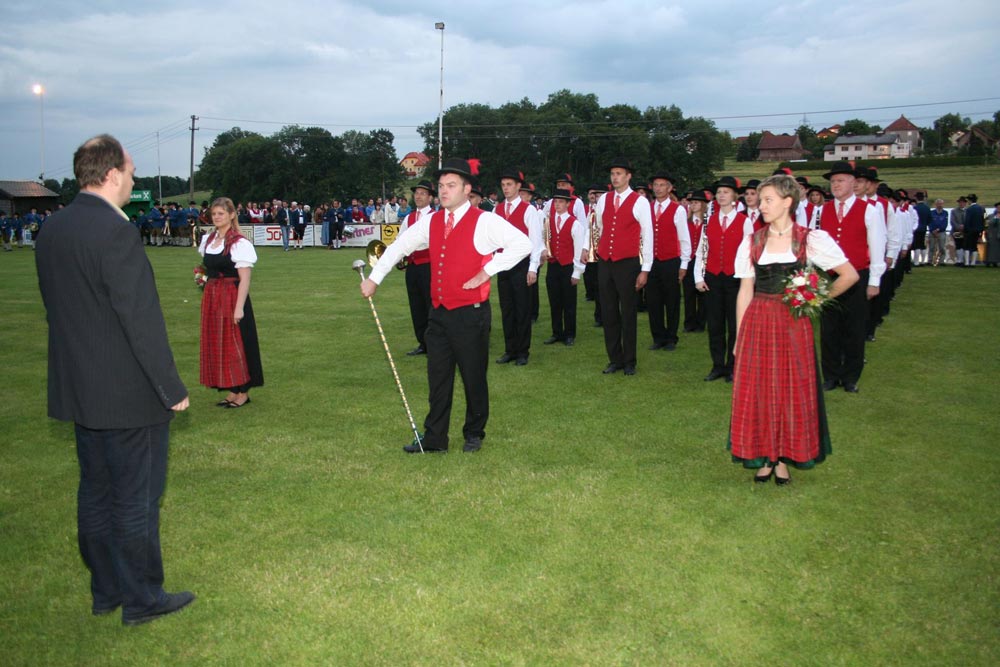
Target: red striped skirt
777, 414
223, 360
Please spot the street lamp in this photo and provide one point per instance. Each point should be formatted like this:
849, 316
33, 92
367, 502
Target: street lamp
440, 26
38, 90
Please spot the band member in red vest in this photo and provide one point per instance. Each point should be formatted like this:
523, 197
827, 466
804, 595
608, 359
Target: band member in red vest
513, 283
576, 206
531, 197
627, 233
694, 300
462, 241
567, 237
809, 214
858, 230
866, 183
418, 268
752, 203
714, 274
671, 254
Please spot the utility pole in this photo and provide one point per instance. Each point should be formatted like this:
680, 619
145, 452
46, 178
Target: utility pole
191, 179
159, 177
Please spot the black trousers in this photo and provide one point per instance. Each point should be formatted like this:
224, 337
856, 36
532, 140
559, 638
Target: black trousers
418, 292
616, 283
879, 306
663, 297
590, 284
123, 473
842, 333
515, 309
562, 299
720, 318
459, 337
533, 292
694, 303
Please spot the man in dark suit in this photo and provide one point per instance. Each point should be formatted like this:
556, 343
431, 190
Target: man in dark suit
112, 373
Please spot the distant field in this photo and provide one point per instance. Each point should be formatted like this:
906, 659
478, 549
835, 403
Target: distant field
199, 197
946, 182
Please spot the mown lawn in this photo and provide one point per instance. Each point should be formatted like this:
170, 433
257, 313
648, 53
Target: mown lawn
601, 524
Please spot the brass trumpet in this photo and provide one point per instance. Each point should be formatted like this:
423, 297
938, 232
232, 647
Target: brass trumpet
374, 251
547, 229
595, 234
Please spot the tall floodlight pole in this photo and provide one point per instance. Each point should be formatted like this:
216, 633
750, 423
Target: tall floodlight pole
159, 177
191, 177
37, 89
440, 26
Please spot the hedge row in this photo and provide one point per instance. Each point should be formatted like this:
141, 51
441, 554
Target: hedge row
901, 163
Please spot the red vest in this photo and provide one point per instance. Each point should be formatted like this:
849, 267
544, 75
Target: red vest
456, 261
666, 244
851, 234
885, 209
561, 242
722, 246
516, 218
418, 256
694, 231
621, 233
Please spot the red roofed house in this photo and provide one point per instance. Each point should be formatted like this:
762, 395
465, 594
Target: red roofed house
414, 163
906, 131
829, 132
777, 147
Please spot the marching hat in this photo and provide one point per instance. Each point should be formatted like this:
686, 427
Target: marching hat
867, 173
802, 180
425, 184
815, 188
639, 184
901, 194
455, 165
883, 190
562, 193
564, 177
752, 184
597, 187
961, 199
526, 187
842, 167
782, 171
727, 182
621, 163
698, 195
973, 198
477, 189
662, 175
514, 175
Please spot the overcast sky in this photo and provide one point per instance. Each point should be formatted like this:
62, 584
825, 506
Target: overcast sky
133, 69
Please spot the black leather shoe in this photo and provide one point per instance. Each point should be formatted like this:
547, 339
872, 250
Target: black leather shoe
729, 377
764, 479
629, 370
521, 361
224, 403
505, 359
569, 341
870, 338
670, 347
611, 368
104, 611
781, 481
851, 387
550, 340
172, 602
414, 448
714, 375
472, 445
830, 385
417, 350
233, 406
657, 346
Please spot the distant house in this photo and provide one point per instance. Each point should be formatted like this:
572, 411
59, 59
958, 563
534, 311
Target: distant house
907, 132
962, 138
829, 132
867, 147
777, 147
414, 163
22, 196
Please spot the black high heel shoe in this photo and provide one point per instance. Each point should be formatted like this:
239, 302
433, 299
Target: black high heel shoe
764, 479
781, 481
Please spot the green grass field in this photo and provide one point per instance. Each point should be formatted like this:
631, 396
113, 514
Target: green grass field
601, 524
949, 183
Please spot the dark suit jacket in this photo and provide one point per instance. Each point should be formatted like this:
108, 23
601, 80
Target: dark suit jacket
110, 364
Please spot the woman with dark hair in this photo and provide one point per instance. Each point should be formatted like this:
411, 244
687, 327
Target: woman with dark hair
778, 417
230, 355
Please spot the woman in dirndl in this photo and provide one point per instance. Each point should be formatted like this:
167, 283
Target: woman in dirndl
230, 354
778, 418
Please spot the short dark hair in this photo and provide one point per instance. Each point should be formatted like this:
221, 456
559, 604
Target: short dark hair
95, 158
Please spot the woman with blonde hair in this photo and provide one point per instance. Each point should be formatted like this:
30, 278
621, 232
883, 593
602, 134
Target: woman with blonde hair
778, 417
230, 354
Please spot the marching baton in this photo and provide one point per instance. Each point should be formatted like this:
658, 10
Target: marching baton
359, 266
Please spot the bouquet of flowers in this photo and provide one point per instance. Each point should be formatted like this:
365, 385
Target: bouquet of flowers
806, 292
200, 276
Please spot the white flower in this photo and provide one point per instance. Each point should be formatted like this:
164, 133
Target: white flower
799, 281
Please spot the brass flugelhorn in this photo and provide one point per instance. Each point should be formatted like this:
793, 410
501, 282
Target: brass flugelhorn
595, 234
374, 251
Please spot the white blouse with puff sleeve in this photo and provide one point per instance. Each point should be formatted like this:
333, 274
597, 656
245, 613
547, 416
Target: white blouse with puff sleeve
821, 250
243, 254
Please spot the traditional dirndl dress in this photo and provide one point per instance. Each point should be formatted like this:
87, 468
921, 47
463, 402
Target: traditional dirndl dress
230, 353
778, 412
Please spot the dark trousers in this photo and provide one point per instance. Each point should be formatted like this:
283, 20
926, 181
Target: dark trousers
418, 292
616, 283
720, 318
459, 337
562, 299
842, 333
515, 309
123, 473
533, 293
694, 303
879, 306
663, 297
590, 284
